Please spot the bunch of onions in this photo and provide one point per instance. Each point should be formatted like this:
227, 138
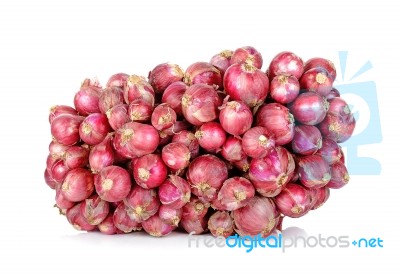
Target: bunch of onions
223, 147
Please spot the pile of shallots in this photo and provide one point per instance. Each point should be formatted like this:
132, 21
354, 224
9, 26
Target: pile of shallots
222, 147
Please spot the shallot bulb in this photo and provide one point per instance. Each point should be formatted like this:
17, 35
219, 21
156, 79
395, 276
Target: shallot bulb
222, 61
95, 210
271, 173
123, 221
163, 117
76, 157
118, 116
284, 88
313, 171
206, 175
337, 128
77, 220
318, 196
200, 104
194, 216
156, 227
174, 192
136, 139
259, 217
220, 224
321, 63
78, 185
189, 140
138, 88
211, 136
176, 156
330, 151
286, 63
257, 142
149, 171
173, 96
140, 110
307, 139
141, 203
248, 55
86, 100
232, 149
294, 200
65, 129
110, 97
236, 192
113, 183
170, 215
164, 75
94, 129
58, 110
309, 108
245, 82
117, 80
235, 117
101, 155
340, 176
107, 226
203, 73
316, 80
278, 120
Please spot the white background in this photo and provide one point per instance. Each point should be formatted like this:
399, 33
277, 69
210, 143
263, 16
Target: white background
47, 49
